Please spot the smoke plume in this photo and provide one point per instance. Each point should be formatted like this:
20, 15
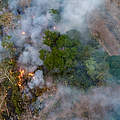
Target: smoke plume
35, 18
75, 12
37, 80
98, 104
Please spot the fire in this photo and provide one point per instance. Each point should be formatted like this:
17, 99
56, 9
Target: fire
23, 33
20, 77
22, 72
31, 74
19, 84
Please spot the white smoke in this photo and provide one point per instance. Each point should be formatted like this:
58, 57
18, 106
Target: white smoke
75, 12
29, 58
13, 4
28, 35
74, 104
28, 38
36, 17
3, 52
37, 80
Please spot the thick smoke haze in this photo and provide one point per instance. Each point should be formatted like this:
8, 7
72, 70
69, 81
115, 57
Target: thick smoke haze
98, 103
75, 12
72, 104
35, 18
31, 59
37, 80
28, 35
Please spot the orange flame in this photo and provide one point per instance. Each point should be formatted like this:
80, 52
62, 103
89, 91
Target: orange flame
31, 74
22, 72
21, 75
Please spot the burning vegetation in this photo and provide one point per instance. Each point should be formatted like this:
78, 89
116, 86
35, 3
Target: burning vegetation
51, 65
23, 75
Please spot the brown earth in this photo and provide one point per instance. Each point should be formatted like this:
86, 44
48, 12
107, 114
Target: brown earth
105, 25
